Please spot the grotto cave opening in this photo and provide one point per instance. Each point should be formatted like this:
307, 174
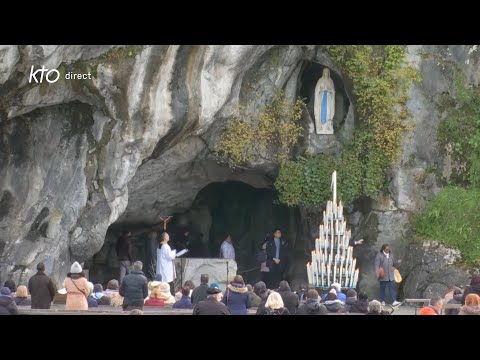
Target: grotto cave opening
233, 207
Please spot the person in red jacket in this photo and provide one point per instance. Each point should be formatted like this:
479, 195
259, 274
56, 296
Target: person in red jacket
435, 307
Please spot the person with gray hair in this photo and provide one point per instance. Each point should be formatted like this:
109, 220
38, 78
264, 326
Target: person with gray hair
134, 288
375, 308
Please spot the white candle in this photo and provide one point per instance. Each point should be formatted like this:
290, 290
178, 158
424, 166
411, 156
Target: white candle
354, 263
335, 267
341, 269
355, 279
334, 184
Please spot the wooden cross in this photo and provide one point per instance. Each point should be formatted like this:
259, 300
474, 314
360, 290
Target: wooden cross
165, 220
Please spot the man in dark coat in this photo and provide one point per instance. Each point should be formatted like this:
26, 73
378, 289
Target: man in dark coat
7, 305
134, 288
361, 305
212, 305
41, 288
277, 258
151, 246
200, 292
474, 288
312, 306
123, 254
290, 299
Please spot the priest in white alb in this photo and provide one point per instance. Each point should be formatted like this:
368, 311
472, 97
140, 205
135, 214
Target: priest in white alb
166, 262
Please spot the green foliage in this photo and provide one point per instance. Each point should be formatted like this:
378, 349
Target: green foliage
459, 132
380, 81
271, 133
453, 218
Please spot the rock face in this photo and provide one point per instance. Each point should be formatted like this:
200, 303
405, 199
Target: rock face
415, 179
135, 142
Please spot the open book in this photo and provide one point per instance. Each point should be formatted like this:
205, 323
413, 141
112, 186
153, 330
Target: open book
180, 253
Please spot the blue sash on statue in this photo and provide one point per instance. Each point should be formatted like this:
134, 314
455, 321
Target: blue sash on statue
323, 114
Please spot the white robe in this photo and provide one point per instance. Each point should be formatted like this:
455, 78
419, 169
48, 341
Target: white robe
227, 250
166, 263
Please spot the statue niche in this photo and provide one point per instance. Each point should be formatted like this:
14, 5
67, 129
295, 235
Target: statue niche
324, 104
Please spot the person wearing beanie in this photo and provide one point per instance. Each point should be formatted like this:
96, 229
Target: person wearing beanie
290, 299
7, 305
41, 288
474, 288
312, 306
99, 295
260, 288
77, 289
351, 299
340, 295
11, 285
332, 303
456, 299
254, 298
361, 305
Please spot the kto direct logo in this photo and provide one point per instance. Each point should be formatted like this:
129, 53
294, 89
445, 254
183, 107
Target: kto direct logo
50, 75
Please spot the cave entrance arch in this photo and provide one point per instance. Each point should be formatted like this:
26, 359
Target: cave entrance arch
233, 207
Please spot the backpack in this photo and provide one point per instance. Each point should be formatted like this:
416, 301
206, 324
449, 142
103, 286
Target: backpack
261, 256
269, 311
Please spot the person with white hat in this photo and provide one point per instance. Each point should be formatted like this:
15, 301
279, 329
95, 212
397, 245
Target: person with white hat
332, 303
77, 288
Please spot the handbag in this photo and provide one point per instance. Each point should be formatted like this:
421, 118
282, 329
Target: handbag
86, 296
381, 273
398, 277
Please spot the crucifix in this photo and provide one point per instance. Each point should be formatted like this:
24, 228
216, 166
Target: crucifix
165, 220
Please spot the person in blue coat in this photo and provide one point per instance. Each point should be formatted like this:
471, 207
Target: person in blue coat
236, 297
185, 302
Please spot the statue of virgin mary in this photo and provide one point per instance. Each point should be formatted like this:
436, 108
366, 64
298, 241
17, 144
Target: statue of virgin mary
324, 105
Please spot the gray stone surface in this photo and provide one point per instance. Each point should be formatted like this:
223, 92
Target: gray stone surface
216, 269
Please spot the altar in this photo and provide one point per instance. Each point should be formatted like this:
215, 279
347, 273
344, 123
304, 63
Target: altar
219, 271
